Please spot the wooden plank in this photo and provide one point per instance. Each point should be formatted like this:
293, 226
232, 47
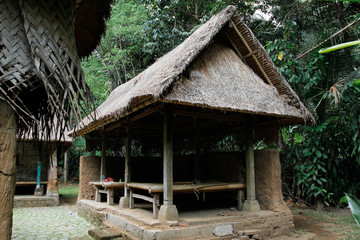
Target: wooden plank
29, 183
145, 198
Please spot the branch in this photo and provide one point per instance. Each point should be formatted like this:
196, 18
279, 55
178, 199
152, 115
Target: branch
335, 34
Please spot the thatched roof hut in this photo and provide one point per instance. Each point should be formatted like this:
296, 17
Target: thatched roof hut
40, 46
218, 87
221, 66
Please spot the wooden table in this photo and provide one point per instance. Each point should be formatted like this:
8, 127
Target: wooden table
155, 189
107, 188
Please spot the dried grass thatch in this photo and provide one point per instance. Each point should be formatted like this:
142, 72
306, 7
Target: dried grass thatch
257, 89
40, 71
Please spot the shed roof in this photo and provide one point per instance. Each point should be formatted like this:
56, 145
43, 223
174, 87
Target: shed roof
40, 45
179, 76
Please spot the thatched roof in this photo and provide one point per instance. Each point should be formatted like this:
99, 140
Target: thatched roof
90, 24
40, 44
241, 79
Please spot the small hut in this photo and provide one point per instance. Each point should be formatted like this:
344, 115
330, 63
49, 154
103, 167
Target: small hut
36, 169
187, 125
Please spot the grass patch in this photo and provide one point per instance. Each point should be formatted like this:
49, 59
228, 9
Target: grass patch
69, 190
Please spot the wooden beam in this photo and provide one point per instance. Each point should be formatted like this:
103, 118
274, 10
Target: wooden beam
250, 50
209, 115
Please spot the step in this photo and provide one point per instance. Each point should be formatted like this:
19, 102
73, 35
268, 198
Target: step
105, 233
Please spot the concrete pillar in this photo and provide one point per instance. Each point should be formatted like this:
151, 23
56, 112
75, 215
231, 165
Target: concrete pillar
168, 211
39, 190
52, 186
125, 201
251, 204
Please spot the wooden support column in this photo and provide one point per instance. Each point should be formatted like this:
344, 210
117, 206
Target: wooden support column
66, 166
197, 167
52, 186
125, 200
251, 204
168, 160
7, 167
39, 190
103, 157
168, 210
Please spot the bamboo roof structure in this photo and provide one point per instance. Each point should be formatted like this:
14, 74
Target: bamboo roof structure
221, 66
40, 45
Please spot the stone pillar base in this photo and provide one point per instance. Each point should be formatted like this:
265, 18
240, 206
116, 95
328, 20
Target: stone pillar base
251, 206
39, 191
168, 213
124, 202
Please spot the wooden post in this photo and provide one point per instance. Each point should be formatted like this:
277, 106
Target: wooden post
7, 167
168, 210
197, 166
103, 157
250, 204
168, 160
66, 166
52, 186
125, 201
127, 161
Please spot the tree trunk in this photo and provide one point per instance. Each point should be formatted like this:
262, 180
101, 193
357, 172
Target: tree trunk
7, 167
319, 204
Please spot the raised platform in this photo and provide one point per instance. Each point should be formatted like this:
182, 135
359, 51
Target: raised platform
35, 201
205, 224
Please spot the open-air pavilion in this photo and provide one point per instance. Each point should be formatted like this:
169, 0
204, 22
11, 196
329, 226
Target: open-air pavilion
187, 125
37, 168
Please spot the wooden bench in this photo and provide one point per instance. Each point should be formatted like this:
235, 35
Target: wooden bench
30, 183
107, 188
155, 189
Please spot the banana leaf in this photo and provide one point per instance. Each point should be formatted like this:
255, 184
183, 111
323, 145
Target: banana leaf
354, 205
339, 46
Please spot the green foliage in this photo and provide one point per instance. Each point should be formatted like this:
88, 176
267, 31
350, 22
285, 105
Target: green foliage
339, 46
354, 204
307, 158
321, 160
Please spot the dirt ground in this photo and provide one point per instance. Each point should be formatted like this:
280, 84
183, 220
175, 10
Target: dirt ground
322, 226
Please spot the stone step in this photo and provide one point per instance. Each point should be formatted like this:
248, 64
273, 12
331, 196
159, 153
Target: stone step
81, 238
105, 233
